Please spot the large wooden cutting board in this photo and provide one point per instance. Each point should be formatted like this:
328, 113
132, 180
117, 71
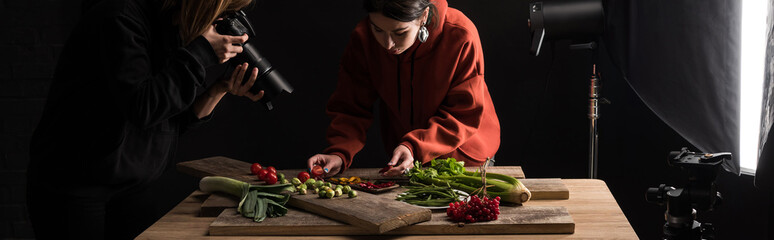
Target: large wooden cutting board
548, 188
358, 212
372, 213
512, 220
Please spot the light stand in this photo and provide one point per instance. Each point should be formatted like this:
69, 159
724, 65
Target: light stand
594, 98
577, 20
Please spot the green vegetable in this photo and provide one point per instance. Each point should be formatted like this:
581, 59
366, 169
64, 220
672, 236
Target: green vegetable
429, 195
352, 194
322, 193
449, 171
257, 201
296, 181
318, 184
346, 189
280, 177
310, 183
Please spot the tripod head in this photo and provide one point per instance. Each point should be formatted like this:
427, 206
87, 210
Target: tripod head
700, 193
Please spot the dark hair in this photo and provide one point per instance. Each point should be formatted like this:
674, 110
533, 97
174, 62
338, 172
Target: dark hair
403, 10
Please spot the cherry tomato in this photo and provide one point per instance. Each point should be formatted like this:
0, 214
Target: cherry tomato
262, 174
255, 168
272, 170
317, 171
271, 178
303, 176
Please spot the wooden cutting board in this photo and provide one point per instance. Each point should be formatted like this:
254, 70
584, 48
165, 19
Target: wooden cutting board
512, 220
541, 188
547, 188
372, 213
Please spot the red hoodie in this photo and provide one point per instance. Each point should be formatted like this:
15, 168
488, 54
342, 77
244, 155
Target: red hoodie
432, 97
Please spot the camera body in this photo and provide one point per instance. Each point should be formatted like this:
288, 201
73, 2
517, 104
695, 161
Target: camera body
268, 80
700, 193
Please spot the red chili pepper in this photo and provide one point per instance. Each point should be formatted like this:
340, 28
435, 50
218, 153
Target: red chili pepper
370, 185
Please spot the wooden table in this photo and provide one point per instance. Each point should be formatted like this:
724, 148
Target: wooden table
591, 205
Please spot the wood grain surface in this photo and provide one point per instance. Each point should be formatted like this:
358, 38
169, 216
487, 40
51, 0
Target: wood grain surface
512, 220
373, 213
592, 207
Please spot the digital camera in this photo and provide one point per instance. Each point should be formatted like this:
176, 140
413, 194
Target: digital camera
269, 80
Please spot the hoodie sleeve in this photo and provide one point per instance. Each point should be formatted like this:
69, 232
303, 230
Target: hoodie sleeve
148, 96
461, 112
351, 105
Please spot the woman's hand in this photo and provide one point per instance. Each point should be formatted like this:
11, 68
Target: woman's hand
204, 104
235, 86
331, 163
225, 46
401, 155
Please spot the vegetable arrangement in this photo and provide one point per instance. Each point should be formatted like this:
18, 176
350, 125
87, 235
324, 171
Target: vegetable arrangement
449, 171
370, 185
322, 188
429, 195
257, 201
269, 174
346, 181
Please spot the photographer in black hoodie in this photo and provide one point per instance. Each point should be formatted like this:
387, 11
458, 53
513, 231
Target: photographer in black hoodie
125, 87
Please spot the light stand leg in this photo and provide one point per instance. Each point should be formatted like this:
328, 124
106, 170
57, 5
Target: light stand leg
593, 127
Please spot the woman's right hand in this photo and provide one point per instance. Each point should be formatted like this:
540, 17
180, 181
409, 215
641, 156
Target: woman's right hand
224, 45
330, 163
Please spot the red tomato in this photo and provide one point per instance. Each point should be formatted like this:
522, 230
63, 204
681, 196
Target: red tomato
317, 171
272, 170
303, 176
255, 168
262, 174
271, 178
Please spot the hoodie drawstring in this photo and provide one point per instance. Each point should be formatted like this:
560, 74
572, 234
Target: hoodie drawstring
411, 84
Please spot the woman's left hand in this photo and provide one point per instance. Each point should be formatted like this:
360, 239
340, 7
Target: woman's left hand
235, 86
404, 160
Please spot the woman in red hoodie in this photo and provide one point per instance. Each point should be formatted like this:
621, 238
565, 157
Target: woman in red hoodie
423, 62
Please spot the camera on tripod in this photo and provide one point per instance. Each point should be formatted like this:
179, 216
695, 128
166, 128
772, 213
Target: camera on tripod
268, 80
700, 193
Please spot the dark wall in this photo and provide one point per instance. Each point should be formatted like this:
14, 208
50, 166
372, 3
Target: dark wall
541, 101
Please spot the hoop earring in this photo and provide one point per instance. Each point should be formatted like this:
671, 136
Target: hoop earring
423, 33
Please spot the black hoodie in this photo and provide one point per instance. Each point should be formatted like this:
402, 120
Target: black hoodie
121, 95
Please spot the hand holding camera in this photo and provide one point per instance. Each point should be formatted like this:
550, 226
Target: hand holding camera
225, 46
267, 80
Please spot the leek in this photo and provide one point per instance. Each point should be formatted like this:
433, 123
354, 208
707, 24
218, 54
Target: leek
256, 201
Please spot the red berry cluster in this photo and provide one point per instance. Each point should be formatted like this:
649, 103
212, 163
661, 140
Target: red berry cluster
474, 210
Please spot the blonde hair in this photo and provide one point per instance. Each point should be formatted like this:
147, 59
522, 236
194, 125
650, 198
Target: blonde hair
194, 17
